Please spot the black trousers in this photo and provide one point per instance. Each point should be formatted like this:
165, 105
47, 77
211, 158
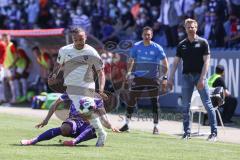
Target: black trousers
229, 108
144, 88
171, 33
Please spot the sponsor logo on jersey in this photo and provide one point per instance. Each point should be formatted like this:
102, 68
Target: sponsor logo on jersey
151, 52
184, 47
197, 45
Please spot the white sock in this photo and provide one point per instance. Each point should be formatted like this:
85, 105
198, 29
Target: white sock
97, 125
24, 86
127, 121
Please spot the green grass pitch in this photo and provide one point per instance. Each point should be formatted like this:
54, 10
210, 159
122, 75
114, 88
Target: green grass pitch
135, 145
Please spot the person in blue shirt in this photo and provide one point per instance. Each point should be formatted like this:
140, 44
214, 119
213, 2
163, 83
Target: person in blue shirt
145, 66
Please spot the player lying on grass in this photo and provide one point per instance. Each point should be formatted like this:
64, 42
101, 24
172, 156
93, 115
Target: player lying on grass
75, 126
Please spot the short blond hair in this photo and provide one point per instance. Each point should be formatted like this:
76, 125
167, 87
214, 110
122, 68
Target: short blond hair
147, 28
189, 20
75, 30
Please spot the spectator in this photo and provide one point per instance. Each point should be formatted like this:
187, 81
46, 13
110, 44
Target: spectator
219, 7
207, 27
200, 10
32, 11
135, 9
181, 33
214, 31
60, 3
159, 34
79, 19
232, 29
89, 7
14, 15
154, 14
61, 18
141, 21
113, 11
218, 33
170, 17
3, 19
235, 7
44, 15
153, 3
4, 3
108, 31
127, 22
96, 23
186, 7
126, 18
118, 71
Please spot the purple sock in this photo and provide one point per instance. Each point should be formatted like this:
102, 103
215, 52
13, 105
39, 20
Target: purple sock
87, 134
49, 134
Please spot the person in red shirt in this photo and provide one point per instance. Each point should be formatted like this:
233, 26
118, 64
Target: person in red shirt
2, 55
2, 51
9, 65
118, 71
107, 60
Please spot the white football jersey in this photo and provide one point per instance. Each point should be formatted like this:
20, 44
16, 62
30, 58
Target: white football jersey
79, 65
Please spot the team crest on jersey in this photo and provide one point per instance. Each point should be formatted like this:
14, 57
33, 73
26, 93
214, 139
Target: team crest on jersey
69, 55
197, 45
151, 52
184, 46
85, 57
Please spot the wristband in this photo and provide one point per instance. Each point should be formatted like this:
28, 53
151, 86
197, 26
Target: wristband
165, 77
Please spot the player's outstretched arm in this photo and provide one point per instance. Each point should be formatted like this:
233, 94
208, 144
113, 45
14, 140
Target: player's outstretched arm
50, 113
106, 123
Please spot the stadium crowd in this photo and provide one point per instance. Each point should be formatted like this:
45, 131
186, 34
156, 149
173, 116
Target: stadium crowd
118, 20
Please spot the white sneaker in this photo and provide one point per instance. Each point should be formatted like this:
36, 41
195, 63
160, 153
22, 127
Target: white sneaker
212, 137
101, 139
26, 142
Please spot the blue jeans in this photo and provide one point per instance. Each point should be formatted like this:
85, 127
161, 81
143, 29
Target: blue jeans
188, 83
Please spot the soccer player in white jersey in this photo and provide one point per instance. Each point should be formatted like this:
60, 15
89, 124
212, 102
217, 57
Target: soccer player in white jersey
79, 62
